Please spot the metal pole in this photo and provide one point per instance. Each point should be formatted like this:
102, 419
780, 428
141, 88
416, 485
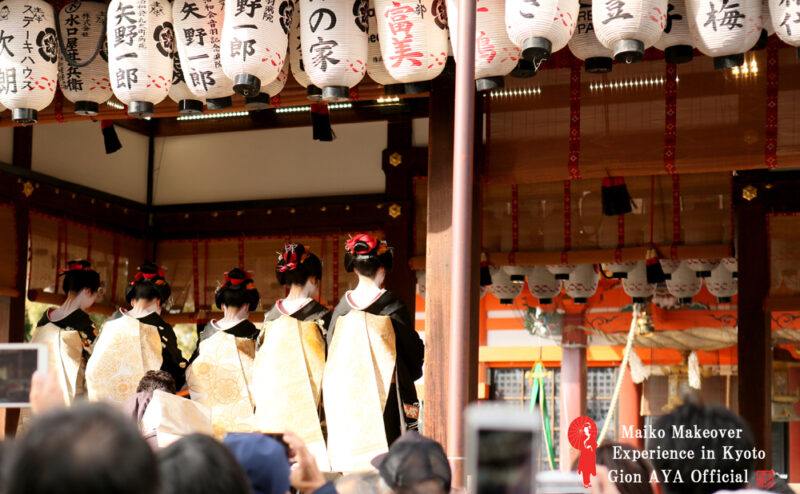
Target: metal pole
463, 146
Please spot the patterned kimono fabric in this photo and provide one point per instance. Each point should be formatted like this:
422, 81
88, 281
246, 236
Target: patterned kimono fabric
358, 374
287, 379
123, 352
220, 377
65, 355
170, 417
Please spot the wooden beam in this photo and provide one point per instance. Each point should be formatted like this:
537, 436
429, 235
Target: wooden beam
302, 216
364, 111
754, 345
142, 127
595, 256
74, 202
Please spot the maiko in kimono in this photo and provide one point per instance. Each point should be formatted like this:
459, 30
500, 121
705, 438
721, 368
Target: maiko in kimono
132, 342
220, 377
374, 357
291, 356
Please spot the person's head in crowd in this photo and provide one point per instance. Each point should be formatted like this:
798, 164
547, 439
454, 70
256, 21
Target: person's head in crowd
148, 288
238, 292
368, 257
415, 465
706, 418
264, 461
362, 483
81, 283
298, 267
639, 469
198, 464
157, 380
88, 449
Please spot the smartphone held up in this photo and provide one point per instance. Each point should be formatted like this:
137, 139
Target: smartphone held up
18, 362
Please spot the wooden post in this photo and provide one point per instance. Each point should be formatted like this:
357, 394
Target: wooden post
794, 433
400, 202
573, 383
754, 350
438, 268
22, 154
630, 399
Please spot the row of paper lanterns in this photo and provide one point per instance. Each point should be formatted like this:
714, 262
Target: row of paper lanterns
202, 51
580, 282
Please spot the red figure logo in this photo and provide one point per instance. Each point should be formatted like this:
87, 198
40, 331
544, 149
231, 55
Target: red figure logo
582, 436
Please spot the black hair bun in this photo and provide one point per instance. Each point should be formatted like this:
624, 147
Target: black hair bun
78, 276
148, 284
237, 291
296, 264
367, 254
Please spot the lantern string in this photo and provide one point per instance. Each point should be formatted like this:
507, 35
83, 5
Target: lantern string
670, 117
771, 131
196, 274
67, 58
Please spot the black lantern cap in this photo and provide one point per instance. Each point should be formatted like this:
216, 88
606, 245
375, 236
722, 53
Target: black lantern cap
724, 300
628, 51
246, 85
417, 87
679, 54
562, 276
762, 40
580, 300
257, 102
334, 94
489, 83
545, 301
87, 108
536, 49
313, 93
24, 116
190, 107
219, 103
598, 65
729, 61
524, 69
702, 274
394, 89
140, 109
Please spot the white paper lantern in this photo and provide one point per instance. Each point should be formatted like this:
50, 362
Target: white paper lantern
376, 70
561, 271
620, 270
783, 15
422, 285
676, 42
81, 25
585, 45
414, 35
702, 267
669, 266
255, 37
296, 58
628, 27
188, 103
140, 46
541, 27
684, 284
263, 99
198, 31
543, 284
636, 285
732, 265
28, 58
334, 41
495, 54
725, 29
722, 285
582, 283
502, 287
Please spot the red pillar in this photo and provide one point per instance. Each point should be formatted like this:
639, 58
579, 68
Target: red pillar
573, 383
630, 399
794, 432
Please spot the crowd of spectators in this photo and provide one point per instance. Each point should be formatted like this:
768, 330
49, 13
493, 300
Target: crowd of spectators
90, 448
